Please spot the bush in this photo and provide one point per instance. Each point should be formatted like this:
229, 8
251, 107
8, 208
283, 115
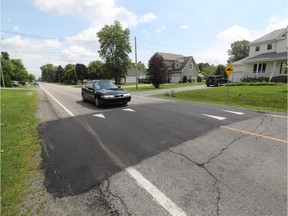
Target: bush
184, 80
199, 79
255, 84
255, 79
170, 93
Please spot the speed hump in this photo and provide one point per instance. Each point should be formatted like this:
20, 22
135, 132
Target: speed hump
229, 70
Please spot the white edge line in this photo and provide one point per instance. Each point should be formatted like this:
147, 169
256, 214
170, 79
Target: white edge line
160, 197
234, 112
67, 110
215, 117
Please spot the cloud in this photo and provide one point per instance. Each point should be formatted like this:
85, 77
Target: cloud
104, 11
162, 28
147, 17
234, 33
184, 26
78, 54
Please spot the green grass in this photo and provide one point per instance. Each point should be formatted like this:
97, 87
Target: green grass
164, 86
19, 147
269, 98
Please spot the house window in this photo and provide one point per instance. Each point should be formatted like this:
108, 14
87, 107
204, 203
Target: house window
264, 68
190, 66
259, 68
177, 65
257, 48
254, 68
269, 46
283, 68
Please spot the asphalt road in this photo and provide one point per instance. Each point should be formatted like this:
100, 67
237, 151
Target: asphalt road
159, 157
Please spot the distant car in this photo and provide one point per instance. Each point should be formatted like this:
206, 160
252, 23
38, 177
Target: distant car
15, 83
216, 80
36, 83
103, 92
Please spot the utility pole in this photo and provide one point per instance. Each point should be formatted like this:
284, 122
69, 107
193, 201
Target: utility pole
136, 63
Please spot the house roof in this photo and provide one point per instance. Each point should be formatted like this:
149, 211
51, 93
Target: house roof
274, 35
268, 56
170, 59
170, 56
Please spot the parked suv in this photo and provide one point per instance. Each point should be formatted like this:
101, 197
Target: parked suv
216, 80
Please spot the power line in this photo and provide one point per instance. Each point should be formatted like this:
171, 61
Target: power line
46, 38
173, 46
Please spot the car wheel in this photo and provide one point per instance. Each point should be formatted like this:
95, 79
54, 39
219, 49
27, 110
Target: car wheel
208, 85
83, 98
97, 102
217, 84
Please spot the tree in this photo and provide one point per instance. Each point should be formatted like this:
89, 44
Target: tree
207, 69
59, 74
5, 55
81, 72
70, 74
140, 65
13, 68
201, 66
157, 70
114, 49
220, 70
48, 72
31, 77
96, 70
238, 51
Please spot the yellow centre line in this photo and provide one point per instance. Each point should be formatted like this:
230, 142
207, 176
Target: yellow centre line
254, 134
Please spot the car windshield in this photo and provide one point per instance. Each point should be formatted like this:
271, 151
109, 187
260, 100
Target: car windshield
106, 85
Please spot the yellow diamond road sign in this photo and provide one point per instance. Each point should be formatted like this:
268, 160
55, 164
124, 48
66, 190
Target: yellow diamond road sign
229, 70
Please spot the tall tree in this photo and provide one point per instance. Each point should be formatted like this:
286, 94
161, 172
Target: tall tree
48, 72
59, 74
81, 71
238, 51
5, 55
96, 70
114, 49
70, 74
157, 70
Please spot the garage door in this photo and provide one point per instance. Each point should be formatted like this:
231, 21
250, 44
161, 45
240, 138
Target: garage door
175, 78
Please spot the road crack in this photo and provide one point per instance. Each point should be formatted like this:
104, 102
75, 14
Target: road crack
202, 165
109, 197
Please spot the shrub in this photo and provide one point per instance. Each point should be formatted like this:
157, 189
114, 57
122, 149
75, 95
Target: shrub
170, 93
184, 80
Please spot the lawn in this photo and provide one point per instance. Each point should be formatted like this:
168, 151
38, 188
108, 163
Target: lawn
164, 86
20, 147
269, 98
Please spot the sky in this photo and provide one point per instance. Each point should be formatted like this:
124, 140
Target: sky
61, 32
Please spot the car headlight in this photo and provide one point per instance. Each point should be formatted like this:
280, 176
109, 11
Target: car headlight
107, 96
127, 95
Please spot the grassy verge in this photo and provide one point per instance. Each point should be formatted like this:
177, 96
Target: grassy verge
270, 98
19, 145
164, 86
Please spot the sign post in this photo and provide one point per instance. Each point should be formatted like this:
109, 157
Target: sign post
229, 71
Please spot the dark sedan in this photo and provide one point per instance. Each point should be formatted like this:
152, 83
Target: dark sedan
103, 92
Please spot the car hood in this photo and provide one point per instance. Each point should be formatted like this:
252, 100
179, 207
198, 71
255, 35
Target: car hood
111, 91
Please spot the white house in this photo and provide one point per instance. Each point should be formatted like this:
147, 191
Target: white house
131, 75
267, 57
180, 66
